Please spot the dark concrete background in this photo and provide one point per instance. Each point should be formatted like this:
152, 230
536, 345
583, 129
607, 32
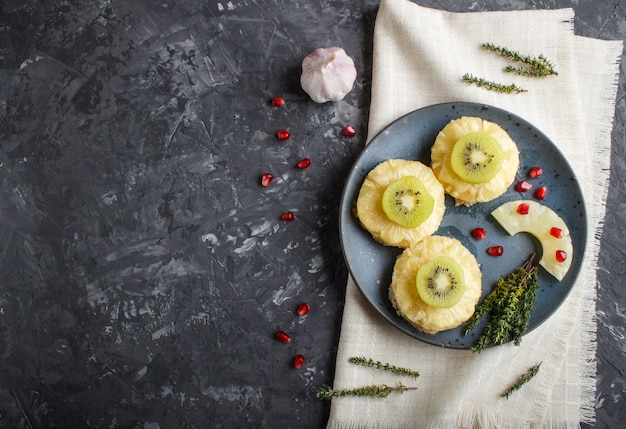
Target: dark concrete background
143, 269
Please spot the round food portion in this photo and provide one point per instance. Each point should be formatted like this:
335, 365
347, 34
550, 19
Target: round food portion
404, 294
466, 192
369, 204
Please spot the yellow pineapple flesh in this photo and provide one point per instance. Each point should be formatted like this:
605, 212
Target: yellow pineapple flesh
539, 221
466, 193
406, 299
369, 209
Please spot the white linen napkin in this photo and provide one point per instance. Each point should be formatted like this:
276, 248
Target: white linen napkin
420, 55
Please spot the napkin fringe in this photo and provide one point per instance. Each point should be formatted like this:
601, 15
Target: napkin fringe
484, 420
392, 425
602, 158
602, 163
469, 421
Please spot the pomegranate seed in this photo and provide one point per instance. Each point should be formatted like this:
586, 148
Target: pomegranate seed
523, 209
287, 216
560, 255
535, 172
479, 233
283, 134
541, 193
556, 232
303, 309
523, 186
495, 250
278, 101
298, 361
266, 179
283, 337
304, 163
349, 131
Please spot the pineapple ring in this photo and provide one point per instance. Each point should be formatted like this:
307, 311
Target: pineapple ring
538, 222
470, 193
369, 209
406, 299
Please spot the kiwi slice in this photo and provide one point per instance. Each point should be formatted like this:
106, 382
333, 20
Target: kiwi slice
407, 202
440, 282
476, 157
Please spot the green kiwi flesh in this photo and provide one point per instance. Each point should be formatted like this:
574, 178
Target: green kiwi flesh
476, 157
407, 202
440, 282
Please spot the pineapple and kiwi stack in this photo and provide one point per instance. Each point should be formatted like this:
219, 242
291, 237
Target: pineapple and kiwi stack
436, 284
400, 202
475, 160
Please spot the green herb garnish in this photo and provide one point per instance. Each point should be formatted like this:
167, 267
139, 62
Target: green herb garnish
531, 66
491, 85
509, 306
523, 379
377, 391
358, 360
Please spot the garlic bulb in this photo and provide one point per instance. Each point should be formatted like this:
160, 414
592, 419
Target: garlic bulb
327, 74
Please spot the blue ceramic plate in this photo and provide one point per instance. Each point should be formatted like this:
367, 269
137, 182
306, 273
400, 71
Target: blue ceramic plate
411, 137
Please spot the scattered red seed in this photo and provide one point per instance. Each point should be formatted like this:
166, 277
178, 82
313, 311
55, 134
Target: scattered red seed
541, 193
304, 163
523, 186
479, 233
278, 101
283, 134
349, 131
283, 337
303, 309
535, 172
298, 361
523, 209
556, 232
266, 179
560, 255
287, 216
495, 250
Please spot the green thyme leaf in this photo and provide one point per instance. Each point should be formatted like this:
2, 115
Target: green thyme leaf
376, 391
359, 360
531, 66
508, 307
491, 85
522, 380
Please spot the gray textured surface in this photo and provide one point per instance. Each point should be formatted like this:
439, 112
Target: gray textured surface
143, 269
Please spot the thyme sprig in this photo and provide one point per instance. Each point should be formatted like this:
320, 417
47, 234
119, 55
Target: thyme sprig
531, 66
375, 390
509, 306
491, 85
522, 380
359, 360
